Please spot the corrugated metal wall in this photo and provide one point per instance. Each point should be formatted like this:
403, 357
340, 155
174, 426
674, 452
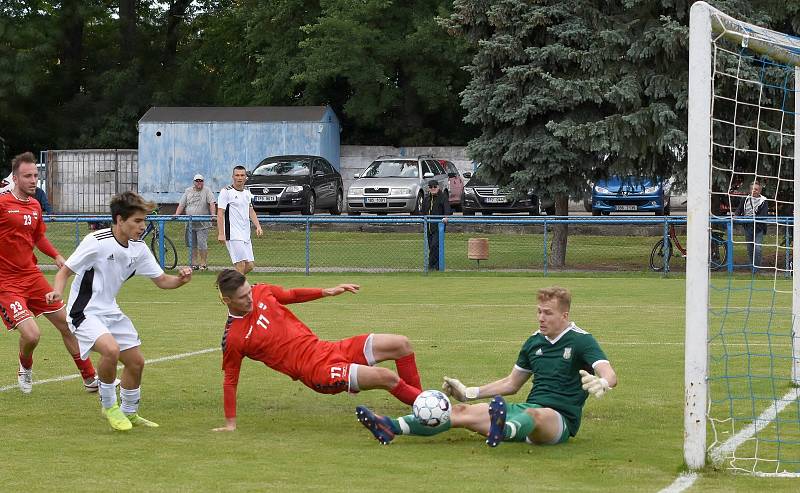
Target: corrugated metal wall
83, 181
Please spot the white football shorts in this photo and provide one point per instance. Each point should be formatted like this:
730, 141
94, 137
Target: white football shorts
93, 326
240, 250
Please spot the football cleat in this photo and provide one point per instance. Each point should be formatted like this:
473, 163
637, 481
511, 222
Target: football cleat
25, 379
379, 426
116, 418
91, 384
497, 421
137, 420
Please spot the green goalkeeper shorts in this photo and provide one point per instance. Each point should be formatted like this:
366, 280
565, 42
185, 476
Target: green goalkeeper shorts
516, 409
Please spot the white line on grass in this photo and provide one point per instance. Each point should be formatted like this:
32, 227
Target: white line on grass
718, 454
681, 483
148, 361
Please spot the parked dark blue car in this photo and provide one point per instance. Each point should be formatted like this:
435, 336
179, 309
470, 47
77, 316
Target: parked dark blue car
630, 194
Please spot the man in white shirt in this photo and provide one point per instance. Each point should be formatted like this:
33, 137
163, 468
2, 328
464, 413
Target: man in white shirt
234, 214
103, 261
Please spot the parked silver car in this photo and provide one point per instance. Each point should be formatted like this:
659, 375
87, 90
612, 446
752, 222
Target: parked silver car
395, 184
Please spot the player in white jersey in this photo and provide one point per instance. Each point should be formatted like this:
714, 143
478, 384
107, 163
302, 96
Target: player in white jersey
234, 213
103, 261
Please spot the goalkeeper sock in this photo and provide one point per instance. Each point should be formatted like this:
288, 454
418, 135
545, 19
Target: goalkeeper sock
518, 427
405, 392
410, 425
84, 365
407, 370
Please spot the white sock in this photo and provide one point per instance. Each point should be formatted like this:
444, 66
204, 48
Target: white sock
108, 395
130, 399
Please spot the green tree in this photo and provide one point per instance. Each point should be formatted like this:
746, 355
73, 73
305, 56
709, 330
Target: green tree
567, 92
389, 71
539, 69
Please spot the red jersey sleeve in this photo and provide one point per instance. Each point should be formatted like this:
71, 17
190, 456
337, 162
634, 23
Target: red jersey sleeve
231, 364
297, 295
47, 248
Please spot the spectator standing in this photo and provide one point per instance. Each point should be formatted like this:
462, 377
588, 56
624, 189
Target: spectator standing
198, 200
41, 196
435, 203
752, 207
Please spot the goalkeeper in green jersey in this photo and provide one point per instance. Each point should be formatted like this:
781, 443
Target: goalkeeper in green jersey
567, 365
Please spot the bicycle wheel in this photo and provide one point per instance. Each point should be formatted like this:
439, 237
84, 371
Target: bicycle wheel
657, 255
718, 256
170, 253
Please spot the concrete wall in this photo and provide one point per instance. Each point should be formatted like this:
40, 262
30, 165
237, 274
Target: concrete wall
83, 181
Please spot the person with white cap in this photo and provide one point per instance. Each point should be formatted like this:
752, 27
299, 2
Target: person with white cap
198, 200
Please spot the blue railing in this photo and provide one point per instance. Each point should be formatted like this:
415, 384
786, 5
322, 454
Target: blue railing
423, 222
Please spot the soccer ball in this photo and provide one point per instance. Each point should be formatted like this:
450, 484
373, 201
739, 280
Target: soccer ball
432, 408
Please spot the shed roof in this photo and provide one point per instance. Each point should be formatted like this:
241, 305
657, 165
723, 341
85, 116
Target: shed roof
234, 114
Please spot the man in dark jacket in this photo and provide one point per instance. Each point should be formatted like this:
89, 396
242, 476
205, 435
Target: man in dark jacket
435, 203
754, 206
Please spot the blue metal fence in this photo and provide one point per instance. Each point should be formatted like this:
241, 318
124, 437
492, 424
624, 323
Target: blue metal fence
318, 243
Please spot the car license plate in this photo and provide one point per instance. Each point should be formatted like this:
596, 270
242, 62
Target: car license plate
625, 208
496, 200
265, 198
374, 200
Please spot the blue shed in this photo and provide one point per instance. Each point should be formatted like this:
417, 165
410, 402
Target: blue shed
175, 143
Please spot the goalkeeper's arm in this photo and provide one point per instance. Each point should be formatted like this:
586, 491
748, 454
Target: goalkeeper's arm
505, 386
604, 379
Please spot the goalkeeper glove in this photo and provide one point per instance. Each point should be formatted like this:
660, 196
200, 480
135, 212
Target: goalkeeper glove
593, 384
454, 388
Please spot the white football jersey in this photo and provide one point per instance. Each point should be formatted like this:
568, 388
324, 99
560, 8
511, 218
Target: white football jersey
236, 205
101, 265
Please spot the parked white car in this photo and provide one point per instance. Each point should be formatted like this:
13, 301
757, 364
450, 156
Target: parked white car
395, 184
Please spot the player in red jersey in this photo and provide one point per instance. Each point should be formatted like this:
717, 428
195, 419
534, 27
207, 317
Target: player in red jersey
23, 289
261, 328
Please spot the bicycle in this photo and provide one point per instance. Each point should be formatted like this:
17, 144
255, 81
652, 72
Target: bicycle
718, 251
170, 253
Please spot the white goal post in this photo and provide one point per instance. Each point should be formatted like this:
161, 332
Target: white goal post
713, 35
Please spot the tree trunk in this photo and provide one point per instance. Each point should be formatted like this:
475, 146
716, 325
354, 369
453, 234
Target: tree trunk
177, 10
127, 28
558, 244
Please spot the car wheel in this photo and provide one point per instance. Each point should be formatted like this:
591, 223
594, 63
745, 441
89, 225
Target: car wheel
486, 213
310, 205
418, 206
337, 209
468, 212
550, 211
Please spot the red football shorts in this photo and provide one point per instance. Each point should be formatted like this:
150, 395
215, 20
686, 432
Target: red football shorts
328, 371
21, 299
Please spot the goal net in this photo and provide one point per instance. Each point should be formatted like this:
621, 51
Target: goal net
742, 365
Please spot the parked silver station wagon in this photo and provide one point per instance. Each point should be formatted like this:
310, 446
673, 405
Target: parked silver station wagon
395, 184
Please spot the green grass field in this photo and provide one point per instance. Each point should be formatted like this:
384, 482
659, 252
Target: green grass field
291, 439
